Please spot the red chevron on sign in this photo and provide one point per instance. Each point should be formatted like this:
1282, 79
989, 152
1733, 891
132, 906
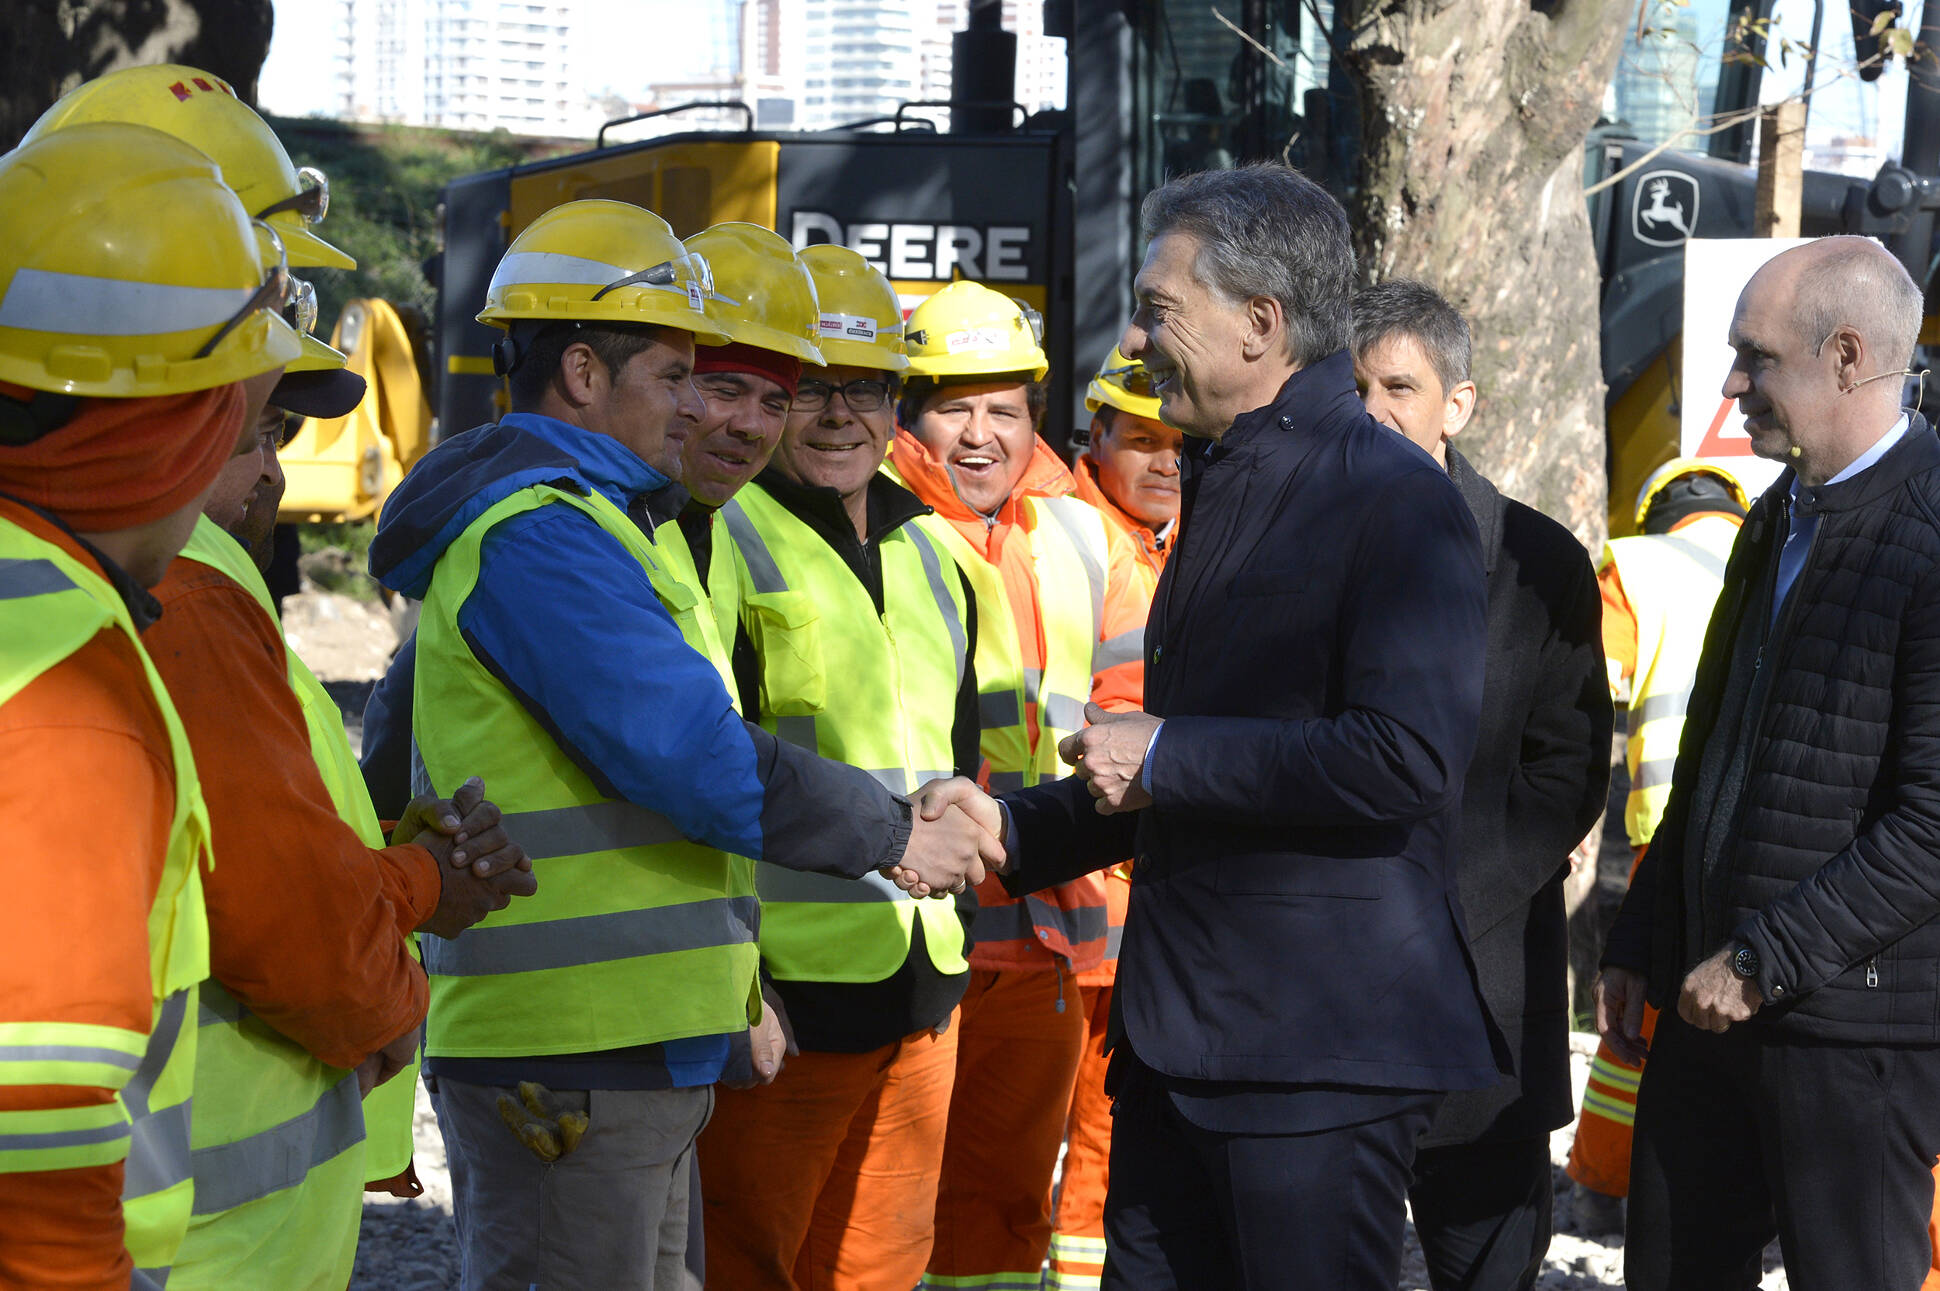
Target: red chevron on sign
1720, 441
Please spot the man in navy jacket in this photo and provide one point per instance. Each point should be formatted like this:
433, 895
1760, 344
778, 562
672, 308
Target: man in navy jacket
1295, 992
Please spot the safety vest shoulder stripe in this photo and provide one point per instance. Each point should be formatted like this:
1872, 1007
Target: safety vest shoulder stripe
158, 1152
1070, 514
1710, 562
232, 1174
31, 577
945, 603
594, 939
596, 827
762, 570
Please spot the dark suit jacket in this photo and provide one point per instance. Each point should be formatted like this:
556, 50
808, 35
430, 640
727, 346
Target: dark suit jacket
1536, 785
1315, 649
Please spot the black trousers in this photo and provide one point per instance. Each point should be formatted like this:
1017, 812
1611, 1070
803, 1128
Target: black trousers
1192, 1209
1483, 1212
1741, 1138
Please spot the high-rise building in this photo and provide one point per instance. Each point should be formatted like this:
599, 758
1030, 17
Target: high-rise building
1656, 90
860, 59
463, 64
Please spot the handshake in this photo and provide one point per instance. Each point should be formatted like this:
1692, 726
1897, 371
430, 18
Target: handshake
956, 836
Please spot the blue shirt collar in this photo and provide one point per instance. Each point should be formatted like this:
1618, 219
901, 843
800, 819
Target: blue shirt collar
1867, 459
608, 465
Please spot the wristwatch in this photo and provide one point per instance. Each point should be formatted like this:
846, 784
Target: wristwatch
1744, 962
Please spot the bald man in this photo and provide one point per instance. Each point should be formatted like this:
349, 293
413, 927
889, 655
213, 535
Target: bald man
1784, 917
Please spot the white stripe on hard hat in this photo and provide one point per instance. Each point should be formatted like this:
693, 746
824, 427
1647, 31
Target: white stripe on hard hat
73, 304
522, 268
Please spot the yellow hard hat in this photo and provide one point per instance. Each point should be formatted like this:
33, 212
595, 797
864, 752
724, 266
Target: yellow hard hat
1676, 469
129, 269
1125, 385
601, 261
968, 330
200, 108
763, 296
862, 321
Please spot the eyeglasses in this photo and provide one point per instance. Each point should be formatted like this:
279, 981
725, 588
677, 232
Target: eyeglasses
668, 274
862, 395
311, 200
1032, 317
274, 294
1132, 377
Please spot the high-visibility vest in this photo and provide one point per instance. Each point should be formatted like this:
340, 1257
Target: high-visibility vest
720, 590
1070, 555
875, 691
637, 935
279, 1146
1672, 580
50, 606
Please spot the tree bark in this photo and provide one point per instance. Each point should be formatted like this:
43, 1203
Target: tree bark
1474, 115
50, 46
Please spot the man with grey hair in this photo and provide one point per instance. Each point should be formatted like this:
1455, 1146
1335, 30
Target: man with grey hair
1482, 1196
1784, 917
1295, 992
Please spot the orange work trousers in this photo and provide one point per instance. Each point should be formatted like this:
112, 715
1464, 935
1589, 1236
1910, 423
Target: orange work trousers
1017, 1057
1078, 1241
826, 1179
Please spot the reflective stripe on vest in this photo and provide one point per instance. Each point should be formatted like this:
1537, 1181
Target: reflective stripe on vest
1672, 582
50, 606
877, 691
276, 1132
636, 935
1070, 554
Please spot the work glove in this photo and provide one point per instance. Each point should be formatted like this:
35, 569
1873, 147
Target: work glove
548, 1135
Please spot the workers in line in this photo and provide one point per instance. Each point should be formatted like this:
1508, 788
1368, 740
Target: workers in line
559, 647
315, 995
1061, 601
860, 633
110, 440
1658, 588
1129, 470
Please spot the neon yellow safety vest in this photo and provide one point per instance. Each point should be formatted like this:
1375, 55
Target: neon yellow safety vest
279, 1135
637, 935
1071, 553
876, 692
50, 606
721, 589
1672, 581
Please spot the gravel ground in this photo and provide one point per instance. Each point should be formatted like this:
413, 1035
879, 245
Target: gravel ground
411, 1246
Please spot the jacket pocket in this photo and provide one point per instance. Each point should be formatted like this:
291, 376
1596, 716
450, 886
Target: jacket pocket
787, 633
1297, 874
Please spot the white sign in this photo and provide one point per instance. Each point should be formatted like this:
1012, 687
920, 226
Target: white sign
1710, 426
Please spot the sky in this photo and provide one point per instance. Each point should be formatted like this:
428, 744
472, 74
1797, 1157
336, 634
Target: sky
296, 76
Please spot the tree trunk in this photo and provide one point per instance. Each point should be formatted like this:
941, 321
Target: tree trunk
50, 46
1474, 114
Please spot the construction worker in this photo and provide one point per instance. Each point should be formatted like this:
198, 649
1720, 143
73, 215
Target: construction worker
1061, 599
746, 385
1129, 470
861, 631
111, 434
559, 652
1658, 589
313, 970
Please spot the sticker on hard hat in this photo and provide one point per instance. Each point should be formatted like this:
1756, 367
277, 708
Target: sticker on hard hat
694, 297
847, 327
974, 338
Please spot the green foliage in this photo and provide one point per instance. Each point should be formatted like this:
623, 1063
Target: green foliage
385, 183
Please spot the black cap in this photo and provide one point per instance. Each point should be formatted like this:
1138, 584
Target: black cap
330, 393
